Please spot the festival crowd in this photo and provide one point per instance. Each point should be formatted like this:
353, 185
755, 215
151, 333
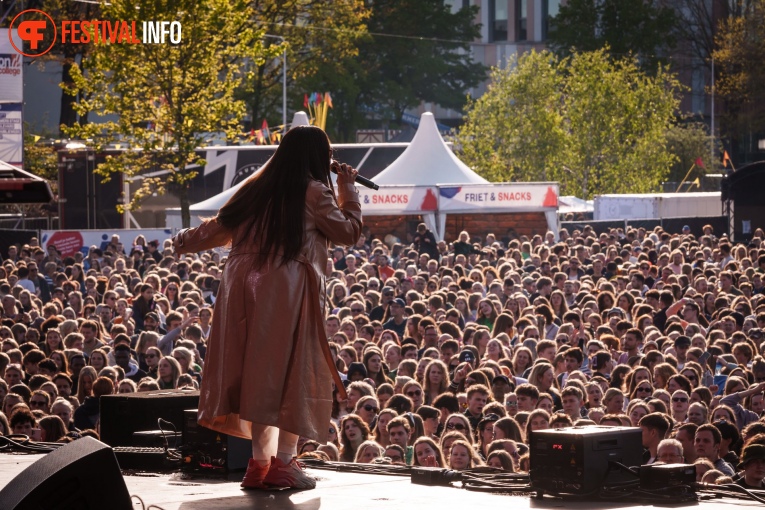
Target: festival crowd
452, 354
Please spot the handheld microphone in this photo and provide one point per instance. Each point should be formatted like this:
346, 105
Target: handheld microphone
359, 179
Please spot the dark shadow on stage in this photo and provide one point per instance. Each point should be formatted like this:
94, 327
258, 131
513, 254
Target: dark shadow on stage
260, 500
590, 504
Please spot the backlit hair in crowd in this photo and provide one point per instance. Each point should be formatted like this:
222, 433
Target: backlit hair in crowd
175, 371
508, 428
145, 340
537, 371
665, 371
347, 450
725, 412
368, 445
127, 386
475, 459
460, 424
53, 428
380, 431
439, 456
535, 416
504, 458
186, 354
428, 387
148, 384
87, 375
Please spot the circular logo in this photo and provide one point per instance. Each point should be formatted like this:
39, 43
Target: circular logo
244, 172
35, 30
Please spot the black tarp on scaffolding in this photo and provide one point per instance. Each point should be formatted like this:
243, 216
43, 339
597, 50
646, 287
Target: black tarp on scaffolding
742, 194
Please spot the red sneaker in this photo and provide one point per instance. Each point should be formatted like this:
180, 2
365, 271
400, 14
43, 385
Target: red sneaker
288, 475
253, 478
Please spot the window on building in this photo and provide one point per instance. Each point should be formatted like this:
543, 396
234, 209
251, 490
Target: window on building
454, 5
457, 5
550, 9
521, 13
497, 20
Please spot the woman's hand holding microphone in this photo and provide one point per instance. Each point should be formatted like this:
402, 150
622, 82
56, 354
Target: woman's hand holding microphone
346, 174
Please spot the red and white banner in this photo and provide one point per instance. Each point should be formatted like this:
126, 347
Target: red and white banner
68, 242
499, 197
399, 200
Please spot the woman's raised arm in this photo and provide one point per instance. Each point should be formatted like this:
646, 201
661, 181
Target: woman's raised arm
210, 234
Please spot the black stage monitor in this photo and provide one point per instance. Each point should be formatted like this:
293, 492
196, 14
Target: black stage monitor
579, 460
126, 413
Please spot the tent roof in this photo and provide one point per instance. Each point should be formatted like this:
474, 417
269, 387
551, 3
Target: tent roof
20, 187
571, 204
428, 161
216, 202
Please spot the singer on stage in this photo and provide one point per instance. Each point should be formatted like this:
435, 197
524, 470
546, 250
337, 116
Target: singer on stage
267, 370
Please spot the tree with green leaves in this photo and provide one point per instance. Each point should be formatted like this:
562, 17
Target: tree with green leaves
318, 46
416, 51
741, 80
690, 143
642, 28
501, 135
40, 159
168, 97
594, 124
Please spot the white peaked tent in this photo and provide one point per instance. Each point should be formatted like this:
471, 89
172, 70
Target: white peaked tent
429, 180
211, 206
300, 119
428, 161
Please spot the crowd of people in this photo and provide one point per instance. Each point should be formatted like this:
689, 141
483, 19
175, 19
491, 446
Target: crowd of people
452, 353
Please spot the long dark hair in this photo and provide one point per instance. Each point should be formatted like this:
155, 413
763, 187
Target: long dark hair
272, 203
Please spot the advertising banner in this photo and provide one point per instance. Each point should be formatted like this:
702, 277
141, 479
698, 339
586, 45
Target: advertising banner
11, 134
499, 197
11, 74
68, 242
398, 200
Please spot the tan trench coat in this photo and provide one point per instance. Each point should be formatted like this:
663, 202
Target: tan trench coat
264, 362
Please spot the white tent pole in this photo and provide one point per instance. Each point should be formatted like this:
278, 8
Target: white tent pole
441, 226
553, 223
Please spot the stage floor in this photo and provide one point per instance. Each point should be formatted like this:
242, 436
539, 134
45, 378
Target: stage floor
335, 491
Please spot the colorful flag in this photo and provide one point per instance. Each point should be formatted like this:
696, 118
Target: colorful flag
726, 160
700, 163
328, 99
305, 101
312, 99
319, 99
